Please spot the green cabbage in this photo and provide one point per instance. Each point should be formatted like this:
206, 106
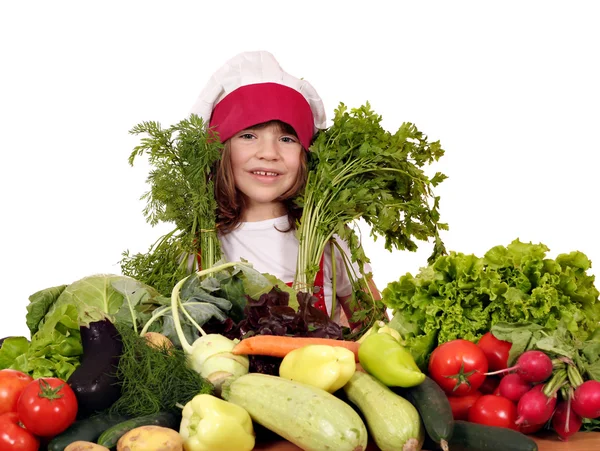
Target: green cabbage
54, 316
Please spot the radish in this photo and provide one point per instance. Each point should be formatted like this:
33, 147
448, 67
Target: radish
586, 400
532, 366
535, 407
565, 422
512, 386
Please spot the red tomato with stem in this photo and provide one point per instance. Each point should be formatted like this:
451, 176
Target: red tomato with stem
13, 437
494, 410
47, 406
458, 366
496, 351
461, 405
12, 383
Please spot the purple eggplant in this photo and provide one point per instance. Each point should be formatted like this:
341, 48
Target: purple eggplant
95, 381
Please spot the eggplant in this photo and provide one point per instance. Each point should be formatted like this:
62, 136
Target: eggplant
95, 381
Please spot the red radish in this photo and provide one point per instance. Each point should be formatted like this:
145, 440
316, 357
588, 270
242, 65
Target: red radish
489, 386
586, 400
564, 421
530, 428
532, 366
512, 386
535, 407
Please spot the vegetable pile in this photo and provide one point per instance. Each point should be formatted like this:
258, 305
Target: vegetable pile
228, 347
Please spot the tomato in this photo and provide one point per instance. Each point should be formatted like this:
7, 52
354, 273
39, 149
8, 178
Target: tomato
458, 366
12, 383
494, 410
496, 351
47, 406
13, 437
461, 405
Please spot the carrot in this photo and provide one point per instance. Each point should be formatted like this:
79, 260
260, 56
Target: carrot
280, 346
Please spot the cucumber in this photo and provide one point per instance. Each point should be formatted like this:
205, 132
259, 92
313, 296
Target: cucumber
87, 430
393, 422
310, 418
111, 436
434, 408
477, 437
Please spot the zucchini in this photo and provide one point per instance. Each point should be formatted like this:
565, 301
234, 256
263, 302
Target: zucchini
111, 436
478, 437
87, 430
393, 422
309, 417
434, 409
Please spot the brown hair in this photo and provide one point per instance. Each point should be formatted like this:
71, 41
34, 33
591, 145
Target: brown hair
231, 203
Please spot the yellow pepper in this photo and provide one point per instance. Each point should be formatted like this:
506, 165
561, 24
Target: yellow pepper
212, 424
322, 366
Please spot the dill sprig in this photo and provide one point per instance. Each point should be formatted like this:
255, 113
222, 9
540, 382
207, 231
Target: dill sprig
154, 379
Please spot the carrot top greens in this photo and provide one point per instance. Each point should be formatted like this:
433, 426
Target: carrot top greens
181, 192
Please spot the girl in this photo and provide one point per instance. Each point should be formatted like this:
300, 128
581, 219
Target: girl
266, 120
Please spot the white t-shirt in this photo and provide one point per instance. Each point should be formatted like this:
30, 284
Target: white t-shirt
274, 252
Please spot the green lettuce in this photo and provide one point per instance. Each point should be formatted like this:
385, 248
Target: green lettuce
462, 296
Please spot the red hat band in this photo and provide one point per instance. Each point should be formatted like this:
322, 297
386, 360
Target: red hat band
262, 102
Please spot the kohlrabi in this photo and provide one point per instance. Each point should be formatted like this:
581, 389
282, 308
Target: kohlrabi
210, 355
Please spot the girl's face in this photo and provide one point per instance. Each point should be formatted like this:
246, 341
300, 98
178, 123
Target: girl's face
265, 163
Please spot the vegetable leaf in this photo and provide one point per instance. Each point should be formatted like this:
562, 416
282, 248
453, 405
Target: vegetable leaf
12, 347
39, 304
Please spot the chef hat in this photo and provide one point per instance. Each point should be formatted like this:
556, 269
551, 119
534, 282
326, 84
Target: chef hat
252, 88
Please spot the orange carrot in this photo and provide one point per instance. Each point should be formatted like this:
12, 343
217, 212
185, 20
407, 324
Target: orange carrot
280, 346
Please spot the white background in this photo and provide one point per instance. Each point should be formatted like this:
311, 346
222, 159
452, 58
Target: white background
511, 89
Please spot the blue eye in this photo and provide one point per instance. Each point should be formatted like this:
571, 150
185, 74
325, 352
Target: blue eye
246, 136
288, 139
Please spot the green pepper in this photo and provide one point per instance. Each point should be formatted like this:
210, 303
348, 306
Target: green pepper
383, 357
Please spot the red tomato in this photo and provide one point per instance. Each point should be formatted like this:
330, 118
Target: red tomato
47, 406
12, 383
458, 366
494, 410
461, 405
496, 351
13, 437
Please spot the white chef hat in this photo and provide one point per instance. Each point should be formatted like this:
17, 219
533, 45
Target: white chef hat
252, 88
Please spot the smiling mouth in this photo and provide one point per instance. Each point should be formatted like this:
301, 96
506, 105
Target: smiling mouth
265, 173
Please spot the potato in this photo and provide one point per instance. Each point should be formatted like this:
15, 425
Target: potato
80, 445
150, 438
158, 340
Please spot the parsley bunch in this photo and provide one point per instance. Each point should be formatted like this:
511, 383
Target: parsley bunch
359, 170
181, 193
